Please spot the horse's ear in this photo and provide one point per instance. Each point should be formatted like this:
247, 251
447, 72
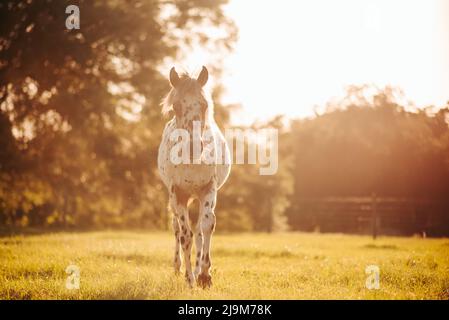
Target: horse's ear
202, 78
174, 78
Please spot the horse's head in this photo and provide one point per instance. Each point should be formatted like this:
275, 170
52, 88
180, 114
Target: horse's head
187, 99
190, 105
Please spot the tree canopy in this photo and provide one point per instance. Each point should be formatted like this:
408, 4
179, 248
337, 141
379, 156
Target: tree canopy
80, 116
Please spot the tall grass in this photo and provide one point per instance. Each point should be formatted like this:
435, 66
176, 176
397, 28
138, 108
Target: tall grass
137, 265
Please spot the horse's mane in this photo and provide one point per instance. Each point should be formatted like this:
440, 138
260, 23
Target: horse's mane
186, 84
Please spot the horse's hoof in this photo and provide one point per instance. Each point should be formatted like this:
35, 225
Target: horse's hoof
190, 280
177, 267
204, 281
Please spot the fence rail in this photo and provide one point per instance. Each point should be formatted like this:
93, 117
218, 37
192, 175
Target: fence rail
372, 215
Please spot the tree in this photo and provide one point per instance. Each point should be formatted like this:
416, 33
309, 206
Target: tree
80, 108
368, 142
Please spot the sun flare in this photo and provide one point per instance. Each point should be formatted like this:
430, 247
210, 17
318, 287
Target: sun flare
294, 55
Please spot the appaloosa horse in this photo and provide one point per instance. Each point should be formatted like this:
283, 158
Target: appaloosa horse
202, 171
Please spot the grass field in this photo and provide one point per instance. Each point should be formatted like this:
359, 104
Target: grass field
137, 265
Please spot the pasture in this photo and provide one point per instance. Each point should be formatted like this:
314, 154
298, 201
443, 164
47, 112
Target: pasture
138, 265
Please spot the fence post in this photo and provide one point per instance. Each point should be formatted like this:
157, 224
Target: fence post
374, 215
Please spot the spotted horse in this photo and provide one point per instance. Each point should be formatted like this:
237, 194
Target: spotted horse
195, 179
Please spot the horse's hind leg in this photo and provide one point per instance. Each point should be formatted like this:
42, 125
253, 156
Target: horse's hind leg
177, 258
178, 201
207, 225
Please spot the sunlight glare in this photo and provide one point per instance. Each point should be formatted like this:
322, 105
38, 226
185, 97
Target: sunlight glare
294, 55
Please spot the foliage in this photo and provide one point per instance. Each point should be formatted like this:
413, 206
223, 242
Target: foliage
80, 120
368, 142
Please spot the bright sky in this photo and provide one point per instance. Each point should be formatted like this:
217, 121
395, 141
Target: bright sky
292, 55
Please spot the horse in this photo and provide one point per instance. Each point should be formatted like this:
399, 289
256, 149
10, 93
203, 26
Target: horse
194, 179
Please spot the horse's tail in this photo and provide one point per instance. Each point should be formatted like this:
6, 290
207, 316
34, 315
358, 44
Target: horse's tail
170, 211
170, 216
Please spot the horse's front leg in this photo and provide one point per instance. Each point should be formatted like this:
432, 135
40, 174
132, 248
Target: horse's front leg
177, 257
207, 226
185, 235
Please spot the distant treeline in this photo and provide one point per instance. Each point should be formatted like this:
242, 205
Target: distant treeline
80, 125
369, 144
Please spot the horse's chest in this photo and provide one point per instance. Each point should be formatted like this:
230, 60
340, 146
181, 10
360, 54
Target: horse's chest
191, 177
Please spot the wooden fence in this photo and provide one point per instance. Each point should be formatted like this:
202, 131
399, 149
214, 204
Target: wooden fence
372, 215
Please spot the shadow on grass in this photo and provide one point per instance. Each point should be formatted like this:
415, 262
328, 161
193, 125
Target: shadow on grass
126, 291
136, 258
12, 294
44, 273
30, 231
251, 253
381, 246
171, 288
